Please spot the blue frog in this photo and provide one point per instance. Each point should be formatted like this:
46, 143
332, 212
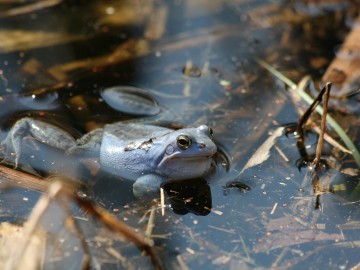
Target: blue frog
147, 154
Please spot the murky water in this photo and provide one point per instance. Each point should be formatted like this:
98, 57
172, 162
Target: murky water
177, 64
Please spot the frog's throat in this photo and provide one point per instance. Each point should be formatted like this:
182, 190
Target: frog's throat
193, 159
200, 159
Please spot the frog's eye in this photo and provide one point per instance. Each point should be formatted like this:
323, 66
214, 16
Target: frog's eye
183, 142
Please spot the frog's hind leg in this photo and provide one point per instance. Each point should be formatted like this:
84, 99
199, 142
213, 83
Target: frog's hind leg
41, 131
89, 144
147, 185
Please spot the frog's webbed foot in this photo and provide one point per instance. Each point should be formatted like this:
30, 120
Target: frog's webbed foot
147, 185
44, 132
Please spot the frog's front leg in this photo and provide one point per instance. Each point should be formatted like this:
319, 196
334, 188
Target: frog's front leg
147, 185
41, 131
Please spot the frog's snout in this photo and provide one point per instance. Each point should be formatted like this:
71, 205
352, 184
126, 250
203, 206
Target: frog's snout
209, 148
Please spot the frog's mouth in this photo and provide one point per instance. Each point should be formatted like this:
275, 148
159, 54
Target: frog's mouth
201, 155
208, 156
194, 157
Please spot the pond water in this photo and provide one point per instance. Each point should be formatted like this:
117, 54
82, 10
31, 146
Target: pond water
81, 65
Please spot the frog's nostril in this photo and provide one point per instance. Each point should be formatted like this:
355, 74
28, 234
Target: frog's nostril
202, 145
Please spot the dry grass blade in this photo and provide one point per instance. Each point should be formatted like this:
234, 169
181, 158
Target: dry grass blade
32, 224
34, 220
331, 140
150, 226
162, 201
356, 267
66, 192
30, 8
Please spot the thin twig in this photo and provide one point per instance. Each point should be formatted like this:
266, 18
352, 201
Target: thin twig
302, 121
162, 201
305, 117
330, 139
323, 125
25, 180
150, 225
86, 263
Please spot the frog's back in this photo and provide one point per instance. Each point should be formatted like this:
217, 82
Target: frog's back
128, 133
124, 148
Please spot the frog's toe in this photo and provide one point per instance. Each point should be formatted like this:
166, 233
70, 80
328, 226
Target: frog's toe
147, 186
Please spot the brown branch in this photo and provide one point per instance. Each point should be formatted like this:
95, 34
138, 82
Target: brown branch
323, 125
25, 180
300, 144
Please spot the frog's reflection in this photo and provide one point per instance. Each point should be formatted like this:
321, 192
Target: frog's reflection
189, 196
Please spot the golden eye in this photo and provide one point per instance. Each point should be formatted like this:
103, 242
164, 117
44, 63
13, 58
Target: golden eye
183, 142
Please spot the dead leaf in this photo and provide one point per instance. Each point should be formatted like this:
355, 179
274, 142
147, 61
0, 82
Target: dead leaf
263, 152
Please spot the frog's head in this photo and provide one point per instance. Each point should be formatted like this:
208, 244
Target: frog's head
187, 153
